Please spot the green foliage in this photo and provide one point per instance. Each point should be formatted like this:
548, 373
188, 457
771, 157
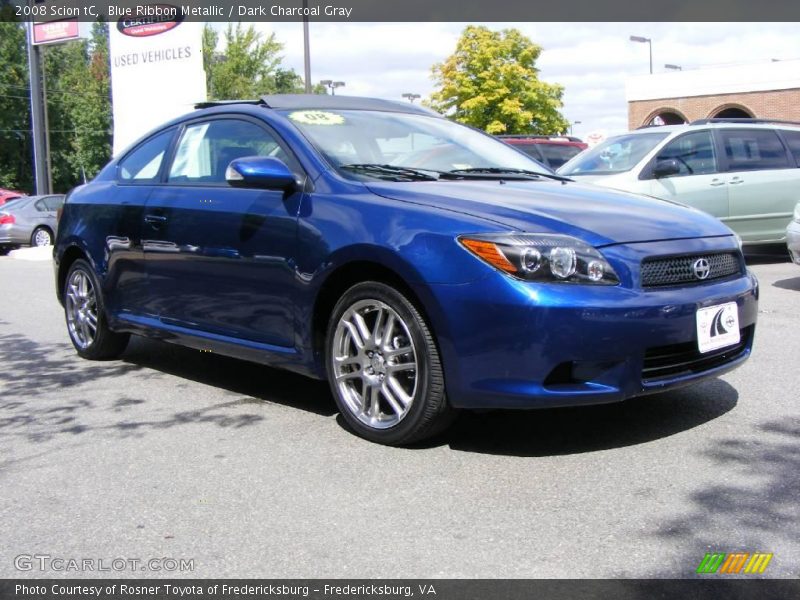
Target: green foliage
15, 137
76, 76
249, 66
491, 82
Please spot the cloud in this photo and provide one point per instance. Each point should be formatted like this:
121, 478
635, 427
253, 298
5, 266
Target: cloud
591, 60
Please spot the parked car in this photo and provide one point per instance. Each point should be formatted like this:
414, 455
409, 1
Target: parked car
277, 231
6, 195
742, 171
29, 220
793, 235
552, 151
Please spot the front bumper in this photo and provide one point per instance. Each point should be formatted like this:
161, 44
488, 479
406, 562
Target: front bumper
513, 344
793, 241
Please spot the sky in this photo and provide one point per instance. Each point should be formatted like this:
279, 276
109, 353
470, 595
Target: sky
591, 60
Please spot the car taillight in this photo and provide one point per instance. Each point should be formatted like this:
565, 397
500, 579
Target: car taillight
6, 219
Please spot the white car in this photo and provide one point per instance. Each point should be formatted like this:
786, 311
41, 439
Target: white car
744, 171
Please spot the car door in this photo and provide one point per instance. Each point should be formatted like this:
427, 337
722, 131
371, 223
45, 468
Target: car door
763, 183
49, 210
219, 258
115, 210
698, 183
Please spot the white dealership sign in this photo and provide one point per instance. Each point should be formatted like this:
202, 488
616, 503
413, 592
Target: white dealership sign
156, 73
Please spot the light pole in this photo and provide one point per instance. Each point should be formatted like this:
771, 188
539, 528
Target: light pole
673, 67
571, 124
330, 83
649, 42
411, 97
306, 49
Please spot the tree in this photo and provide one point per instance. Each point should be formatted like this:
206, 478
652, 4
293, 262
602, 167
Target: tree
78, 108
16, 141
249, 67
491, 82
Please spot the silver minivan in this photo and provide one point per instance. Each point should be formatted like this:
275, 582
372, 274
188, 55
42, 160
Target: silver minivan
742, 171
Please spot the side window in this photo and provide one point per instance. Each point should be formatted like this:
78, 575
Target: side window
206, 150
793, 139
694, 153
53, 203
144, 163
753, 149
40, 205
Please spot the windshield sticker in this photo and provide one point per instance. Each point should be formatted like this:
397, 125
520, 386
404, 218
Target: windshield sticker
316, 117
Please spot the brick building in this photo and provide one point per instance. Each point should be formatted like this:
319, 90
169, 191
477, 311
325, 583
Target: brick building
765, 90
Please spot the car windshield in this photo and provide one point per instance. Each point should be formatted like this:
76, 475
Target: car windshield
615, 155
388, 145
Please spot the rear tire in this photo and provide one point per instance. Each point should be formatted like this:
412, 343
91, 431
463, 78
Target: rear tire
384, 368
42, 236
86, 317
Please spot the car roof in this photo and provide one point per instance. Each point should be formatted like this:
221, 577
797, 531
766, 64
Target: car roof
324, 101
716, 124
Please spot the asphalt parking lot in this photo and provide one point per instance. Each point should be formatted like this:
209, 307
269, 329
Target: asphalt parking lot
247, 471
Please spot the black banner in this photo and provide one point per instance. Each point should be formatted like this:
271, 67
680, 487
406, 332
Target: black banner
716, 588
405, 11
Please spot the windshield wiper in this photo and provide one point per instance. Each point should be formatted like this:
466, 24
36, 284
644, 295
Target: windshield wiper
391, 172
515, 173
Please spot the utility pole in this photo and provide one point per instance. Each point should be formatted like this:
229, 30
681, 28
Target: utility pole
38, 118
306, 48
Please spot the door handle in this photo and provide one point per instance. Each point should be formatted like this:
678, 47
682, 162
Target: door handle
155, 220
736, 180
716, 182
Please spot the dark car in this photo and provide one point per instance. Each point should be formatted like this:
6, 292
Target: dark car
292, 231
29, 220
552, 151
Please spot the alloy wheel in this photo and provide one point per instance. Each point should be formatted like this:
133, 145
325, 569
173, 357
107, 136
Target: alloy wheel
375, 363
81, 309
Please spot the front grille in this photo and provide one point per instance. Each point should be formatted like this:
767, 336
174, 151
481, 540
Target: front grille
685, 359
677, 270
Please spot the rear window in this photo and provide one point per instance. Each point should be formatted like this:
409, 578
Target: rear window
753, 149
558, 154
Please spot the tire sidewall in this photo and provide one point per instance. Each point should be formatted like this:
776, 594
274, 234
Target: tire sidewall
409, 314
92, 350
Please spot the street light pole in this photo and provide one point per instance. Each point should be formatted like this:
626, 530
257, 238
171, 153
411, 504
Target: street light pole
306, 48
649, 42
38, 120
571, 124
411, 97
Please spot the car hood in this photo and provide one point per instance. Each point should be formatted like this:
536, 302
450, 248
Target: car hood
597, 215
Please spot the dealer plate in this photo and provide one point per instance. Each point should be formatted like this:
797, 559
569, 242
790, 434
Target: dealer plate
717, 327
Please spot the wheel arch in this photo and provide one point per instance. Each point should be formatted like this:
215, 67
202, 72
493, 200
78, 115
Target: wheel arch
343, 278
69, 256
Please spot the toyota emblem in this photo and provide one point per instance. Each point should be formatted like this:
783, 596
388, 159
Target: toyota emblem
701, 268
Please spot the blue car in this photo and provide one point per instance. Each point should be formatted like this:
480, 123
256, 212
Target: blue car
418, 265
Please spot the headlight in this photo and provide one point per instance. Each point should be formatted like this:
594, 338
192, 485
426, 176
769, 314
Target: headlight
542, 257
797, 212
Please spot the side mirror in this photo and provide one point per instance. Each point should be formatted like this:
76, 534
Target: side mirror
666, 168
260, 172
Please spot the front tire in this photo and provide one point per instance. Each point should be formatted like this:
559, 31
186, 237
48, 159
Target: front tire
384, 368
86, 318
